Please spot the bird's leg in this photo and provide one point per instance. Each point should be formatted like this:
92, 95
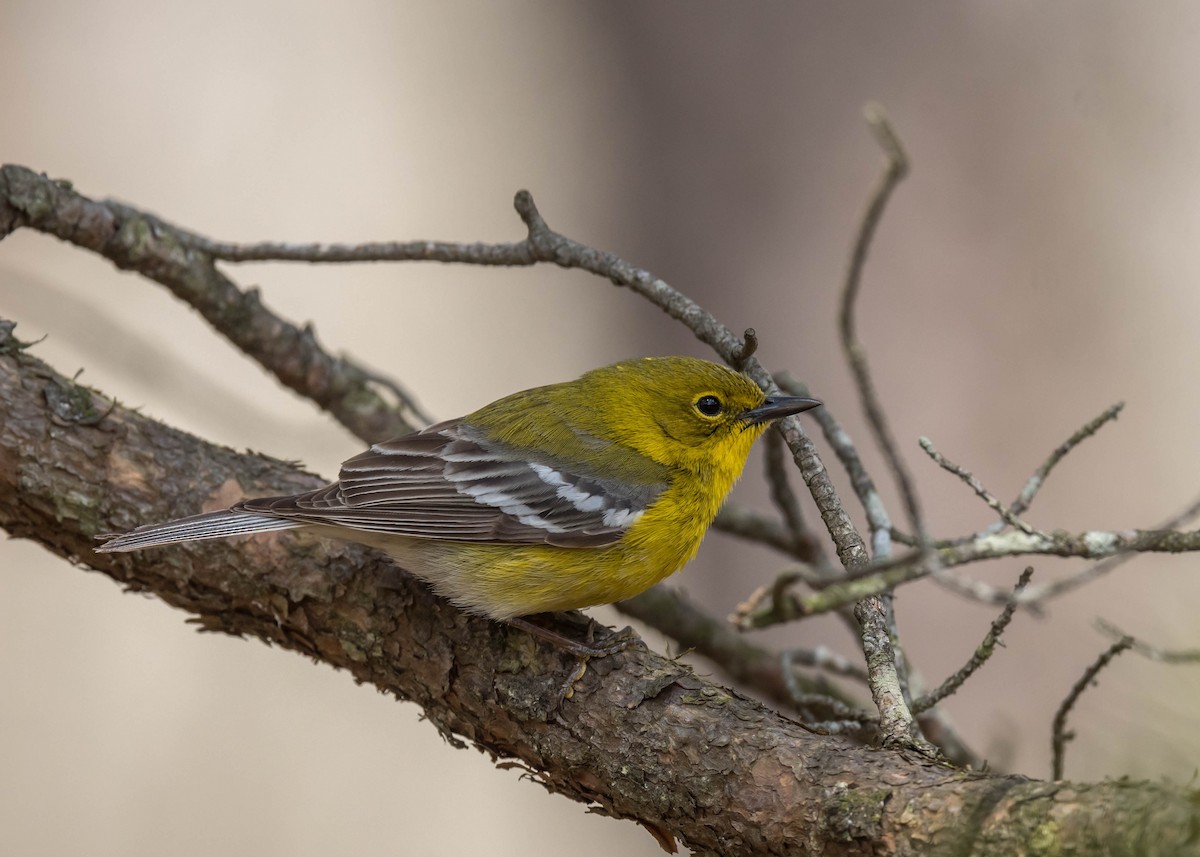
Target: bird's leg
583, 651
619, 642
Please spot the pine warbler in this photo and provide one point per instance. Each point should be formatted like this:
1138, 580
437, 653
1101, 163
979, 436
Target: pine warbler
556, 498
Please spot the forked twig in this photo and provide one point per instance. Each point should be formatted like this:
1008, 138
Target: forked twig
1165, 537
1038, 479
975, 485
847, 454
823, 658
1060, 737
981, 655
894, 172
1154, 653
881, 644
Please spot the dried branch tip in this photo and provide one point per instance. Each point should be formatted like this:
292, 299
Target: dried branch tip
749, 347
885, 134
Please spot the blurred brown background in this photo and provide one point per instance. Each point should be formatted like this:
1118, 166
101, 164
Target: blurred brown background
1038, 265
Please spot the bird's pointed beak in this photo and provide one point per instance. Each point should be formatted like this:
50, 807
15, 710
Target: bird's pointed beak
777, 406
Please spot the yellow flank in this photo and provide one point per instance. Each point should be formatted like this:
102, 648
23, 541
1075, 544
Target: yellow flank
503, 581
560, 497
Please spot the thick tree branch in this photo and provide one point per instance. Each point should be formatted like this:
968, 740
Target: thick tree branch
642, 737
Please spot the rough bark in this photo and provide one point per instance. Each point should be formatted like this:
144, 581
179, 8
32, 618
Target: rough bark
641, 737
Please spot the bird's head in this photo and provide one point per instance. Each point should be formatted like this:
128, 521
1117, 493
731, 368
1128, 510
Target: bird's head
684, 412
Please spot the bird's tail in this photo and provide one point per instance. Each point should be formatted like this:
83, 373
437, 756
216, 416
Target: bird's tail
211, 525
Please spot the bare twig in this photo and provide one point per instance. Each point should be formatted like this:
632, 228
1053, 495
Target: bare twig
978, 590
1091, 544
894, 172
738, 520
975, 485
1025, 498
781, 491
1034, 596
408, 404
1154, 653
881, 644
749, 347
138, 241
843, 447
897, 728
841, 727
902, 538
981, 655
1066, 584
817, 702
826, 659
1061, 736
771, 603
878, 522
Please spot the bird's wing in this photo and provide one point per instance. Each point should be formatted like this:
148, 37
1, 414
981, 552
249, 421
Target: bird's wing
450, 481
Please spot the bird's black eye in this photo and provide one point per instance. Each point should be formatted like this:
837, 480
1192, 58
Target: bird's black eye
710, 406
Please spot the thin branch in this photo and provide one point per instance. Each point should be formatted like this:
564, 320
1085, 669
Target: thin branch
895, 169
823, 658
1038, 479
881, 643
771, 603
748, 349
816, 702
841, 727
1154, 653
981, 655
878, 522
409, 407
785, 499
745, 523
978, 590
847, 454
1061, 736
1066, 584
1034, 596
137, 241
1091, 544
976, 486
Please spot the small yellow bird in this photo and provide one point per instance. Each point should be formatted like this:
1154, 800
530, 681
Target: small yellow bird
556, 498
